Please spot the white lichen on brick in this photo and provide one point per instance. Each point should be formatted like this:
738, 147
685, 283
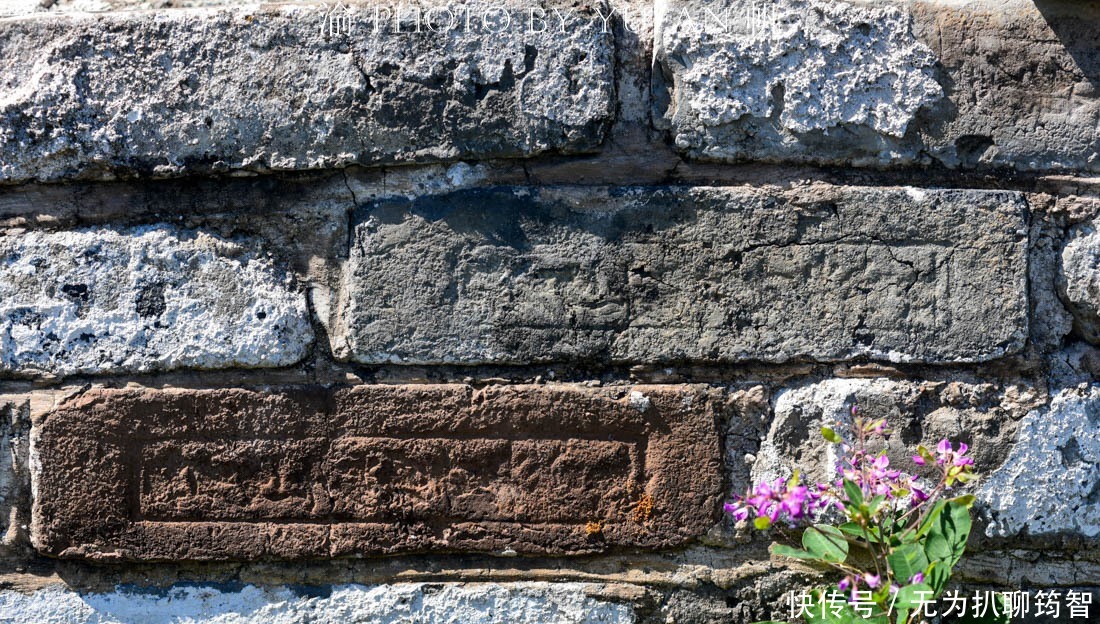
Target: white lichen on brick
803, 410
1050, 483
14, 477
1079, 279
411, 603
207, 90
813, 64
143, 299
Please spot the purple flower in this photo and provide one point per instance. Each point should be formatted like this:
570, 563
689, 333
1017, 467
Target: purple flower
950, 457
918, 460
916, 578
844, 583
918, 497
872, 580
773, 501
738, 511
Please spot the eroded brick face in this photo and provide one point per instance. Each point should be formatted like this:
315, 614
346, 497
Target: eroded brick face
707, 274
301, 101
314, 472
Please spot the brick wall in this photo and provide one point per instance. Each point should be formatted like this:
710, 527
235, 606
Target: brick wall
302, 317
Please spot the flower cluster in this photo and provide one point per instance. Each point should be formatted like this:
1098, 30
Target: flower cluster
875, 477
852, 583
872, 473
782, 499
954, 464
891, 516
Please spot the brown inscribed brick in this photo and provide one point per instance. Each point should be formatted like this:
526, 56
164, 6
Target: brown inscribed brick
317, 472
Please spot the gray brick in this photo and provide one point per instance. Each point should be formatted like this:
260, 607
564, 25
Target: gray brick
152, 298
1050, 484
887, 82
706, 274
209, 90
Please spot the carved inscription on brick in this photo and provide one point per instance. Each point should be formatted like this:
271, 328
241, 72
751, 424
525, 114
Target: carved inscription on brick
706, 274
313, 472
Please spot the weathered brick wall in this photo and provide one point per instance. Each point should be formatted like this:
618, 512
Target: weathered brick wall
483, 326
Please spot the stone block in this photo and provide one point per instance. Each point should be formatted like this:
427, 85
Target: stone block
986, 416
1078, 280
1050, 484
14, 476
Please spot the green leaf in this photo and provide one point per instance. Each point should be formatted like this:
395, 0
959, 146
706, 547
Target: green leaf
926, 454
797, 553
825, 542
947, 536
937, 547
830, 435
965, 500
762, 522
937, 576
872, 507
907, 560
821, 611
851, 528
912, 596
930, 518
855, 530
855, 495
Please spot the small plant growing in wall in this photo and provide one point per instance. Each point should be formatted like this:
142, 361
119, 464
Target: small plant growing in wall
895, 540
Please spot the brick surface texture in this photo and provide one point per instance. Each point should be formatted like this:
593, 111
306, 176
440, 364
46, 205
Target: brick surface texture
309, 471
480, 312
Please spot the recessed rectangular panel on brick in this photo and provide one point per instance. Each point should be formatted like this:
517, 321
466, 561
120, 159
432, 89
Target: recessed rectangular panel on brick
313, 472
700, 274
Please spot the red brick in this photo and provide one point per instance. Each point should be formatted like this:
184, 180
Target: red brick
314, 472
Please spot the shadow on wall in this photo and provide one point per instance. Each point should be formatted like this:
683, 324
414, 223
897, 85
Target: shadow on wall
1076, 24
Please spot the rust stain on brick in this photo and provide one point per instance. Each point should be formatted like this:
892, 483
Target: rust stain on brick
315, 472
